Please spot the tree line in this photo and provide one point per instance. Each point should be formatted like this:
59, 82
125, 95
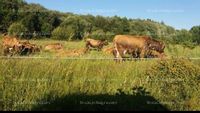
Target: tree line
30, 21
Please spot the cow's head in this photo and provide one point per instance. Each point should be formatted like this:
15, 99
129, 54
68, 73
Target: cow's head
156, 46
104, 42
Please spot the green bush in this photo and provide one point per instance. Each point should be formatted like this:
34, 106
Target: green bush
177, 83
17, 29
46, 30
98, 34
61, 33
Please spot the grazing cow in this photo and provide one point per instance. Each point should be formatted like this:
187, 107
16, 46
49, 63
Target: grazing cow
98, 44
137, 46
54, 47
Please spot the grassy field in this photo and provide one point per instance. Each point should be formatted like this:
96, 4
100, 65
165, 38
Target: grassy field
82, 84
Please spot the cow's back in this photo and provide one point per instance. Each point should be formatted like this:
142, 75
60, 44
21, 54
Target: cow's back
93, 42
130, 41
10, 41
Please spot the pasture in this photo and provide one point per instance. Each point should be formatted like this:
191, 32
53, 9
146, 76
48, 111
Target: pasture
86, 83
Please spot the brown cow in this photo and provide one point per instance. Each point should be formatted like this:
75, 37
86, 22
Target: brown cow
108, 50
9, 43
12, 46
137, 46
98, 44
27, 48
130, 44
54, 47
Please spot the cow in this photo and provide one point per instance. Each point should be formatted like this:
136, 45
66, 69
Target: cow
27, 48
98, 44
9, 43
54, 47
13, 46
137, 46
130, 44
108, 50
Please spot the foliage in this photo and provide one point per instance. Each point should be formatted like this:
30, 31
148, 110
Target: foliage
177, 80
196, 34
41, 22
17, 29
61, 34
184, 37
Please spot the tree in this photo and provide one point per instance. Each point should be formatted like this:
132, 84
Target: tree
17, 29
76, 26
9, 11
98, 34
33, 24
62, 33
196, 34
46, 29
184, 38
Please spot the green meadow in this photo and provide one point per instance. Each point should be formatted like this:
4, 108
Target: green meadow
87, 83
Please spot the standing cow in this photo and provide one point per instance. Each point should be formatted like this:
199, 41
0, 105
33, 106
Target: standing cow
130, 44
137, 46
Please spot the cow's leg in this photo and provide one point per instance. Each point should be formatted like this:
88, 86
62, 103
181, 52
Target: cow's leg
123, 55
100, 47
5, 51
117, 55
87, 46
142, 53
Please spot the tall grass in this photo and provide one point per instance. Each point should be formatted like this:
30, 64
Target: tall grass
44, 84
31, 83
28, 81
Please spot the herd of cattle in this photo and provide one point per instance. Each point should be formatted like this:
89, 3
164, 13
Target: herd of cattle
134, 46
13, 46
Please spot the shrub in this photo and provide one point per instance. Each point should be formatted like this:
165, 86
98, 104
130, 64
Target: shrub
100, 35
17, 29
177, 82
61, 33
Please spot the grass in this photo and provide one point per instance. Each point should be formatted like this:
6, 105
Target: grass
64, 78
61, 84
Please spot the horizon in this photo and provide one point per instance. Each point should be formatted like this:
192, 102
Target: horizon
180, 14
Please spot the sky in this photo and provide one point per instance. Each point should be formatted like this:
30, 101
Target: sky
180, 14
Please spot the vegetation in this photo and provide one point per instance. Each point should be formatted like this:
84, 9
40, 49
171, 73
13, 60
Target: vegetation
64, 84
54, 83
